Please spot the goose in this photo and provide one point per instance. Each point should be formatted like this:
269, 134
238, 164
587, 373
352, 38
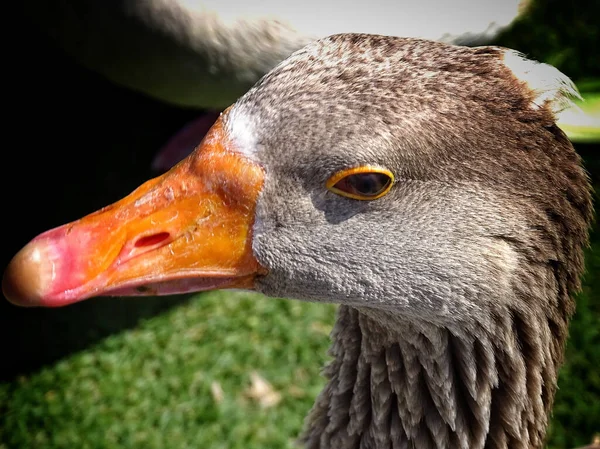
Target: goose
422, 186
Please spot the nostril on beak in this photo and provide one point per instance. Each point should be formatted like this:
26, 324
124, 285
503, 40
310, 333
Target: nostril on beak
151, 240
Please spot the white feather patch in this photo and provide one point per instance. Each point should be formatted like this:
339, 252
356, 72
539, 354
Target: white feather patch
550, 86
240, 128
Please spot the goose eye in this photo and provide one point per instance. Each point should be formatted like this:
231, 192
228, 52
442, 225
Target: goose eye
362, 183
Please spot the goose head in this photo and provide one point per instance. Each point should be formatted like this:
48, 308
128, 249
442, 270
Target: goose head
425, 187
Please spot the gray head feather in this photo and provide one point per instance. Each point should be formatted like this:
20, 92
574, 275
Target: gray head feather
456, 286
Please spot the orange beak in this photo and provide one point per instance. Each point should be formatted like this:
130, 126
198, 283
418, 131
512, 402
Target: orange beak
187, 230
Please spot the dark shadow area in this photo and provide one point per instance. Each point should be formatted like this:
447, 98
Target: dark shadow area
73, 142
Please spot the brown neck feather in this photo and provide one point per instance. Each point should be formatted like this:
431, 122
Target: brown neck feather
406, 384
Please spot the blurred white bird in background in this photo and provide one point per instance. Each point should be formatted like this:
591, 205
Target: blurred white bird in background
204, 54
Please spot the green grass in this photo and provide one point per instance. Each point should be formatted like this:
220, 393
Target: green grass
583, 125
150, 387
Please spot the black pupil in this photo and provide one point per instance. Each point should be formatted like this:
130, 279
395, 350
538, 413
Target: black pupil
368, 184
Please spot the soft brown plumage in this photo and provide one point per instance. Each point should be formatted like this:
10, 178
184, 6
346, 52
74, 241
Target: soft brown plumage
459, 120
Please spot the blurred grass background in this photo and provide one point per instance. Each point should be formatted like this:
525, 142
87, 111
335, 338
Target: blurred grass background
187, 372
